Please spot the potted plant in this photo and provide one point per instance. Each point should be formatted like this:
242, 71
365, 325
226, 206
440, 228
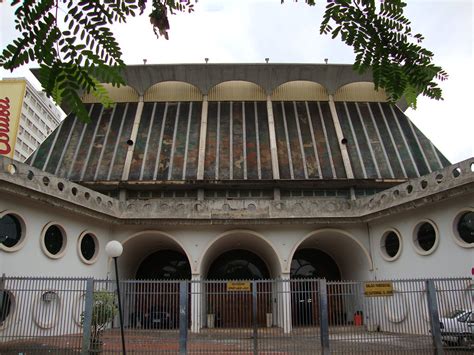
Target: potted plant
104, 311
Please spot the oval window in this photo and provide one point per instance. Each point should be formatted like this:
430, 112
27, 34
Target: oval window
10, 230
426, 236
465, 227
88, 247
54, 241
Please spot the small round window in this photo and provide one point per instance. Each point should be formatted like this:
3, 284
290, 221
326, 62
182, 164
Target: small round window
88, 248
425, 238
11, 231
54, 241
6, 306
464, 229
390, 245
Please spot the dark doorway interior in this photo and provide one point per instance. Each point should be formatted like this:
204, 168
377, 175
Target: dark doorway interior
308, 264
156, 298
234, 308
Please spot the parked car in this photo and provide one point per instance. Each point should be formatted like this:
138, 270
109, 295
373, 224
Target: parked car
458, 328
156, 318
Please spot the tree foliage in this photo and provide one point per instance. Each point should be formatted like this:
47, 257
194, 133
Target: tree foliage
76, 50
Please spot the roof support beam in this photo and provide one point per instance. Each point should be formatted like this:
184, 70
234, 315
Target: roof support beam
340, 136
273, 145
202, 139
133, 138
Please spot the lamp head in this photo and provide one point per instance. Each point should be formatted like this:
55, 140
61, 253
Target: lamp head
114, 249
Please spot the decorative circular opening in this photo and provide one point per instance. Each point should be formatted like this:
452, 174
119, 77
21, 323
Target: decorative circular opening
129, 142
54, 241
424, 184
60, 186
439, 178
74, 191
30, 175
87, 195
99, 200
110, 204
6, 306
409, 189
456, 172
391, 245
464, 228
88, 247
425, 237
45, 181
46, 309
11, 169
472, 167
344, 141
12, 232
396, 193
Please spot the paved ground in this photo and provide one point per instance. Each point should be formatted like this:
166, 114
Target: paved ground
270, 341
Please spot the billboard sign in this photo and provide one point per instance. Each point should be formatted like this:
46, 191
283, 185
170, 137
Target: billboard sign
12, 93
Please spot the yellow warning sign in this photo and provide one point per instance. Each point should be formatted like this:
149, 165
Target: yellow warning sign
374, 289
242, 286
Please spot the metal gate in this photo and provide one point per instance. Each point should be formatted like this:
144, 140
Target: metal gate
59, 315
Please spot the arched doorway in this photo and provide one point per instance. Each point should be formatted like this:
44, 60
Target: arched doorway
238, 264
164, 265
307, 266
157, 297
232, 307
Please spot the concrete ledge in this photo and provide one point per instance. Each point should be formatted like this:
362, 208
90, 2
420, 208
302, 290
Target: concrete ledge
23, 180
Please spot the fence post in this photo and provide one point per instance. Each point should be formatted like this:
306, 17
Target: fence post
323, 317
254, 317
434, 317
87, 320
183, 317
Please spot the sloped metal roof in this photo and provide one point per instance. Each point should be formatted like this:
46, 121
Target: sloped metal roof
381, 143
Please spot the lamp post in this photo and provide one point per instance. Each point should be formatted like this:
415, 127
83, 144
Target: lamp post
114, 249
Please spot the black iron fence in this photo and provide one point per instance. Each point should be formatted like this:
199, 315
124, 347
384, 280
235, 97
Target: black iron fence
74, 315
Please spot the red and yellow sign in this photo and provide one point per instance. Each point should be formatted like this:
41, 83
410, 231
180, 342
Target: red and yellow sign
12, 93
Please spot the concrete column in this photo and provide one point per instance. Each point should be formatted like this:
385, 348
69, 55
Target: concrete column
284, 303
202, 138
337, 126
197, 299
273, 144
133, 137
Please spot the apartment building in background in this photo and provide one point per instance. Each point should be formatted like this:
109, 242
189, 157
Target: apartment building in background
39, 117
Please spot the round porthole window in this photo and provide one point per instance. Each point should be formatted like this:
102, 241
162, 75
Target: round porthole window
88, 248
425, 238
390, 245
12, 232
54, 241
464, 228
6, 306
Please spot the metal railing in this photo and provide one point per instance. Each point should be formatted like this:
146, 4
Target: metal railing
78, 315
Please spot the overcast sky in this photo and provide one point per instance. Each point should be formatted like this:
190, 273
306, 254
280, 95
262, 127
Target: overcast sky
248, 31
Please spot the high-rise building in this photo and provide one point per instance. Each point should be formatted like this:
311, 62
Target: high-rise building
39, 117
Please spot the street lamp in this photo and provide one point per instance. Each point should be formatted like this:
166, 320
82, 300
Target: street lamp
114, 249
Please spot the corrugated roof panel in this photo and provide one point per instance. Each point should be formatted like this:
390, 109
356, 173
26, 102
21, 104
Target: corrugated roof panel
237, 91
172, 91
300, 91
117, 94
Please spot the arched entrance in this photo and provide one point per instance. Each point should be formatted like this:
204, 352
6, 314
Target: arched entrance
156, 261
233, 307
307, 266
164, 265
157, 297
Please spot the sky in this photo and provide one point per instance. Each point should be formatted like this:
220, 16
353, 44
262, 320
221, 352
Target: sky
248, 31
